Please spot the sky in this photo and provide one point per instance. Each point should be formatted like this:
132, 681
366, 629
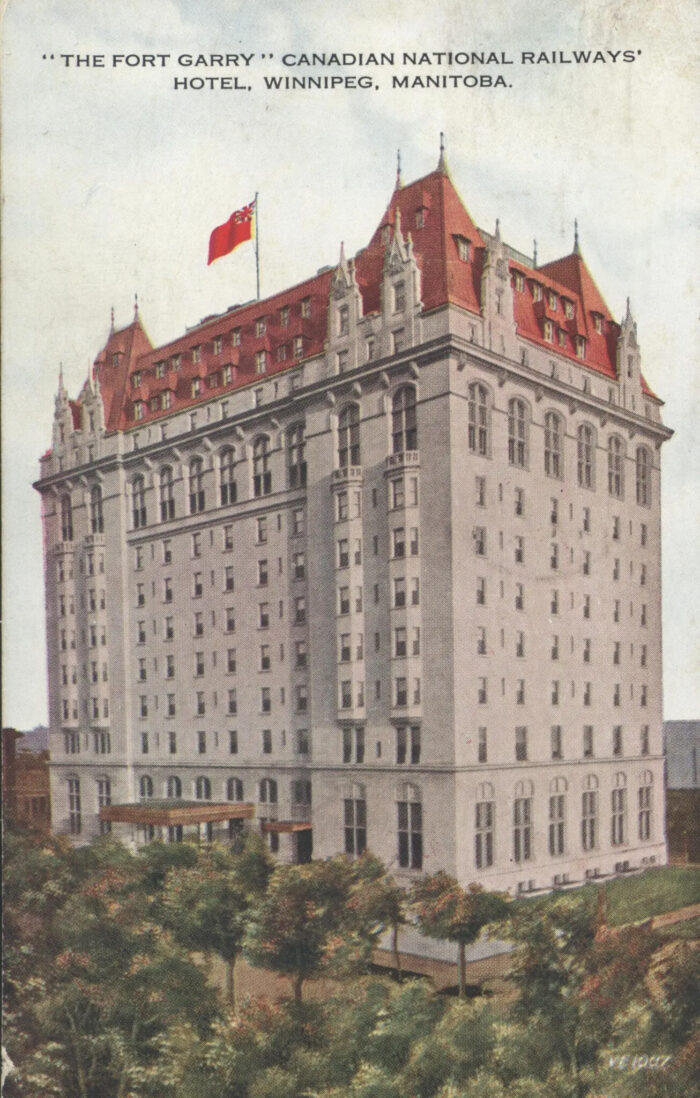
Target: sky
113, 178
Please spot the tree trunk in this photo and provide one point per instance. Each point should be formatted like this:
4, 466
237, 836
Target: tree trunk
395, 947
297, 982
230, 984
462, 968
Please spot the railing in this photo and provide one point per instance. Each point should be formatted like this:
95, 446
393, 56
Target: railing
404, 459
348, 474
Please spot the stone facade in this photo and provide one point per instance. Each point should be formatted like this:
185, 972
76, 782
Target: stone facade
380, 555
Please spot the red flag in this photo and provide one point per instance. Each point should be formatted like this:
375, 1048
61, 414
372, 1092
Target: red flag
233, 232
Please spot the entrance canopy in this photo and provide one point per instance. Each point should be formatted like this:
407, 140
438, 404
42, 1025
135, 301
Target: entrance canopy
174, 813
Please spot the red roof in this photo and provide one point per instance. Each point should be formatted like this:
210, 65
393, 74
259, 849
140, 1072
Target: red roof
208, 361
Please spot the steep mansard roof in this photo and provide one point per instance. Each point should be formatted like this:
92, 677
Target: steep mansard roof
431, 210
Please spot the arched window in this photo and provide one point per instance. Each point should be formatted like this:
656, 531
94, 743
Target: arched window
174, 788
196, 486
585, 455
227, 483
616, 456
202, 789
96, 518
479, 431
262, 478
410, 827
167, 502
404, 431
349, 436
355, 820
234, 789
138, 501
75, 820
484, 820
66, 519
643, 476
296, 465
145, 787
589, 813
104, 799
517, 432
268, 791
644, 804
553, 434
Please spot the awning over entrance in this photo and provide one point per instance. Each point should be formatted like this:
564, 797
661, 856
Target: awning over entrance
174, 813
286, 825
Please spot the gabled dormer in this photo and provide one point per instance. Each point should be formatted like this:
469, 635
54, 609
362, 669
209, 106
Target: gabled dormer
497, 299
400, 291
629, 362
345, 310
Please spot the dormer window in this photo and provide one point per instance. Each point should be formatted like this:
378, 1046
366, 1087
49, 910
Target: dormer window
536, 291
519, 282
227, 375
462, 248
115, 358
420, 218
154, 404
580, 347
568, 309
197, 354
597, 322
306, 307
561, 334
284, 316
217, 345
177, 362
196, 387
236, 337
260, 326
166, 399
281, 352
135, 380
260, 362
552, 299
139, 409
298, 346
549, 331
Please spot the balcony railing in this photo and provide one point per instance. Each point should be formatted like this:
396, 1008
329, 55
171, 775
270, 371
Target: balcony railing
403, 460
348, 474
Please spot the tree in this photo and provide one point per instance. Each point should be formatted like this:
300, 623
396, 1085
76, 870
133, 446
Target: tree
207, 905
444, 909
303, 922
378, 901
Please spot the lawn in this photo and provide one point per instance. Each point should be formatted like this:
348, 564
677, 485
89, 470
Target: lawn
631, 899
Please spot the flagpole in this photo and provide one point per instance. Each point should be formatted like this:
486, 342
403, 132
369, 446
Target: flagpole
257, 244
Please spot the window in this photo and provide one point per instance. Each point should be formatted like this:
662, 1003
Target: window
232, 702
588, 741
522, 829
145, 787
202, 789
615, 467
479, 535
404, 430
644, 740
482, 690
556, 824
585, 449
96, 517
196, 475
519, 596
234, 789
138, 502
519, 550
517, 432
399, 297
301, 698
481, 641
589, 816
201, 743
481, 591
174, 788
555, 692
260, 362
343, 320
483, 833
400, 692
554, 556
482, 745
521, 744
349, 436
75, 823
643, 476
398, 542
410, 829
355, 821
618, 815
555, 742
201, 707
300, 610
227, 483
262, 478
296, 465
552, 444
479, 420
617, 740
644, 806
